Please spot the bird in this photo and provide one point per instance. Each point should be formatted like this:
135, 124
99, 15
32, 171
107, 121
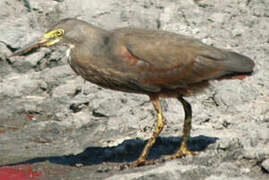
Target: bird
156, 63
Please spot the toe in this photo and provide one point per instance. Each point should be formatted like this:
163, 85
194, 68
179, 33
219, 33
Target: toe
180, 154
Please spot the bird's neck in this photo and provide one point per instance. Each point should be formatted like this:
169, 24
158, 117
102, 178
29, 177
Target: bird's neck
95, 40
69, 48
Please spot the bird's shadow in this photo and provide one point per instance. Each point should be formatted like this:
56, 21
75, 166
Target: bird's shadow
127, 151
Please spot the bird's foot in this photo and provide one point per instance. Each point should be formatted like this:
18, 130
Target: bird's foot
137, 163
141, 162
183, 151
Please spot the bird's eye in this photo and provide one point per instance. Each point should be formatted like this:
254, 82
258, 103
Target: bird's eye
59, 32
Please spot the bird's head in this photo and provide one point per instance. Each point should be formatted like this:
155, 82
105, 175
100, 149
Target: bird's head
67, 32
52, 37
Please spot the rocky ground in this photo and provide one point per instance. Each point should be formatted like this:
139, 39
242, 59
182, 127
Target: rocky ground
53, 125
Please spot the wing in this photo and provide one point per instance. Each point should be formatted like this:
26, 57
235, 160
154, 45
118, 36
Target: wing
159, 59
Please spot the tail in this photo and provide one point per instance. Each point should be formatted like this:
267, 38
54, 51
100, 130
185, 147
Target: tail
238, 63
237, 66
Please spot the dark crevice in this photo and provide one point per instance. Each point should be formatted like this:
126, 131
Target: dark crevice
27, 5
158, 24
12, 49
78, 107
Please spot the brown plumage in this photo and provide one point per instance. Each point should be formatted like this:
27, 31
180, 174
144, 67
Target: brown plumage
156, 63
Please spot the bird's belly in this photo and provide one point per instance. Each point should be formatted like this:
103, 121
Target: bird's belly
115, 80
102, 78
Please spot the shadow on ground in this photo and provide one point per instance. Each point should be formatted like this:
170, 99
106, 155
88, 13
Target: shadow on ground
127, 151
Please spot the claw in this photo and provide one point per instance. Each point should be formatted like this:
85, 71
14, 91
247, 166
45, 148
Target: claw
142, 162
180, 153
137, 163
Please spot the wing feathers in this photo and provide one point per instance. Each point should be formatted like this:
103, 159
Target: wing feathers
168, 60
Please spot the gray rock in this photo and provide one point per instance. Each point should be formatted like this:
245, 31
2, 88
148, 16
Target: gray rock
50, 117
265, 165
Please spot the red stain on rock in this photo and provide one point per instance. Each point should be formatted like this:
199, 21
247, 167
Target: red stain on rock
30, 116
3, 131
22, 172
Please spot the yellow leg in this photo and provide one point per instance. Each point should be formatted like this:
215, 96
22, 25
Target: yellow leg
158, 129
183, 149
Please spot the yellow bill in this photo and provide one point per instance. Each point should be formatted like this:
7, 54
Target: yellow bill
48, 39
